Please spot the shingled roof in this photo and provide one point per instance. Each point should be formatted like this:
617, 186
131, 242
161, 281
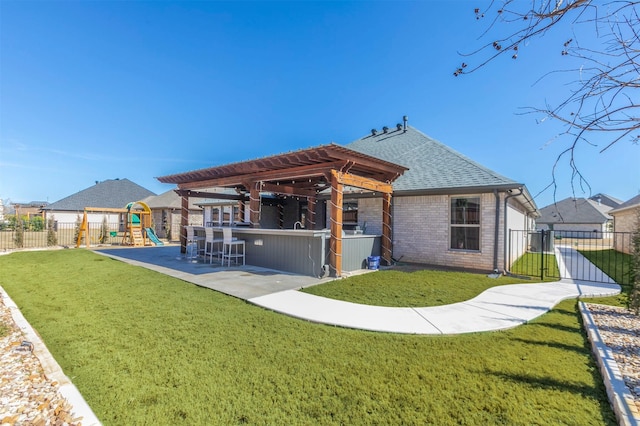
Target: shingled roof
574, 210
433, 166
629, 204
168, 200
112, 193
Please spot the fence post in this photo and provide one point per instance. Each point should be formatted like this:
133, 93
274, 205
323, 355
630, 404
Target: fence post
542, 233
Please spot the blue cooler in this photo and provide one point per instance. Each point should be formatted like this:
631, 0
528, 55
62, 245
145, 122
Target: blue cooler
373, 262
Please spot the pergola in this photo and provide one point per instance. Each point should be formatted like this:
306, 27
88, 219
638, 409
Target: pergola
304, 173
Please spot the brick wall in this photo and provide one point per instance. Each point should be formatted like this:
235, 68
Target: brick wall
421, 229
625, 221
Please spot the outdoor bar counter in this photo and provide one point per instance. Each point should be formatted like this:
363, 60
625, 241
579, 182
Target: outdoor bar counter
302, 251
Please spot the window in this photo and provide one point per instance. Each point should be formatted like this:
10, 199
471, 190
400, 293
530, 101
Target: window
465, 223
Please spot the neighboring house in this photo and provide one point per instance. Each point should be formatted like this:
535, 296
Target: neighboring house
166, 210
607, 200
108, 194
626, 218
578, 217
447, 209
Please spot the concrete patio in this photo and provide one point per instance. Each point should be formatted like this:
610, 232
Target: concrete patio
242, 281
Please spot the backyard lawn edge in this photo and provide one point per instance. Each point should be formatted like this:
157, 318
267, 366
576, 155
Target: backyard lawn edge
619, 395
50, 366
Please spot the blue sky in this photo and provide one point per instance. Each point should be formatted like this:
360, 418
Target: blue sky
101, 90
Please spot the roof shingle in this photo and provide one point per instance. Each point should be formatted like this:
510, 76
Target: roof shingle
432, 165
111, 193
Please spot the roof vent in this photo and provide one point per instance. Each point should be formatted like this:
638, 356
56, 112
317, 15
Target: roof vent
398, 126
405, 119
385, 129
374, 132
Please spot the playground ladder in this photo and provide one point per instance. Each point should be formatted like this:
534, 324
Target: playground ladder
136, 236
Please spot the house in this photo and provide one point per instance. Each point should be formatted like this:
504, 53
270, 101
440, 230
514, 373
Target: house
607, 200
428, 203
166, 214
578, 217
108, 194
448, 210
625, 221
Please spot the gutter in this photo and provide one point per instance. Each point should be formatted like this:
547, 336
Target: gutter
497, 230
506, 199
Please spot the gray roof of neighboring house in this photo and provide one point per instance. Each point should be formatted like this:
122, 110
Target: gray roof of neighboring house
634, 202
168, 200
607, 200
432, 165
112, 193
575, 210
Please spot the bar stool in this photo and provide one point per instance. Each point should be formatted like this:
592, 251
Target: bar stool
193, 243
210, 244
228, 243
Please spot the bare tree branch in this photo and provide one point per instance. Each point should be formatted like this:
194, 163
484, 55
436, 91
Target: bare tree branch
602, 95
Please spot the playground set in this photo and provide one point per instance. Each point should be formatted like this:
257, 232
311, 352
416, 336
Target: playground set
137, 232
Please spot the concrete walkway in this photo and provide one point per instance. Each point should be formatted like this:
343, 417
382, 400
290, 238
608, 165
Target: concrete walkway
497, 308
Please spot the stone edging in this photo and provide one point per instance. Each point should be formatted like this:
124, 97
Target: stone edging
619, 394
50, 366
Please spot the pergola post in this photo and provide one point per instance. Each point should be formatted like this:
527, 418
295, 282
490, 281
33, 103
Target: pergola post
386, 244
254, 204
241, 208
311, 213
184, 221
336, 223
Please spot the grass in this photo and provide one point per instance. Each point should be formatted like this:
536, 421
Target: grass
144, 348
616, 265
413, 289
529, 264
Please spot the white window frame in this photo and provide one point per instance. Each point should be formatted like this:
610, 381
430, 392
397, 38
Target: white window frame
462, 246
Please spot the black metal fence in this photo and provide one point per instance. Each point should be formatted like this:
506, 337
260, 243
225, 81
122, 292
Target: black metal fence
547, 254
61, 234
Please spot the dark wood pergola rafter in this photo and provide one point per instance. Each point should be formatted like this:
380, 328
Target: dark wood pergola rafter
302, 173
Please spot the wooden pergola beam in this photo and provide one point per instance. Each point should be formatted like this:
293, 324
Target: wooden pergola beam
365, 183
288, 190
292, 174
184, 221
203, 194
311, 213
336, 224
105, 210
386, 243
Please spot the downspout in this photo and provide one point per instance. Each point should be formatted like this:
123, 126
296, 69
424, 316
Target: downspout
506, 199
497, 231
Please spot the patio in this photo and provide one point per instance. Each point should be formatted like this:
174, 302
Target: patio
244, 282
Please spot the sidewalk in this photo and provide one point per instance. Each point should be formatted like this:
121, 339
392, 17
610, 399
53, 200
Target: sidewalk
496, 309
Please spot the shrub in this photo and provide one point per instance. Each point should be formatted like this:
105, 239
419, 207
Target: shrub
52, 237
36, 223
76, 231
18, 236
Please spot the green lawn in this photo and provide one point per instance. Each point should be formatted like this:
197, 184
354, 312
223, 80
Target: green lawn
617, 265
530, 264
413, 289
144, 348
